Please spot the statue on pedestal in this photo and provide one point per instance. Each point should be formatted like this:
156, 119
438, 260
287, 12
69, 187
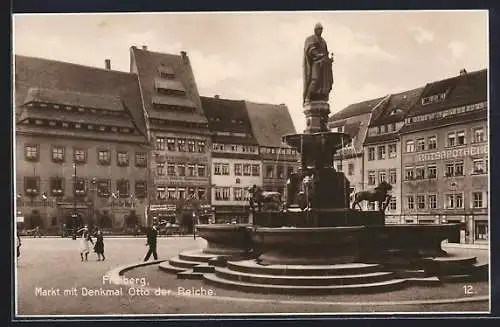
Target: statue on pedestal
318, 75
379, 194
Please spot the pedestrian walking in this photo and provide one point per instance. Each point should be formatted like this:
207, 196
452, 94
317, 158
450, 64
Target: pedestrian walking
99, 245
85, 241
152, 235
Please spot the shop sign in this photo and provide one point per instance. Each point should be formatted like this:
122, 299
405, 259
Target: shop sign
453, 154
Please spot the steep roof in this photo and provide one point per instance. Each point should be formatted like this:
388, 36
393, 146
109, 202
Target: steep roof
52, 81
74, 98
356, 109
356, 127
149, 67
395, 107
75, 117
461, 90
228, 116
269, 123
462, 118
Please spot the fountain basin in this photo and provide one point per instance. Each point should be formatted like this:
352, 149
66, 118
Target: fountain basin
409, 240
307, 246
319, 218
225, 239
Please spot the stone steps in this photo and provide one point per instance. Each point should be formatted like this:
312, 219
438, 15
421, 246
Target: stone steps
177, 262
204, 268
196, 256
167, 267
451, 266
452, 260
250, 266
424, 281
190, 274
307, 280
409, 273
384, 286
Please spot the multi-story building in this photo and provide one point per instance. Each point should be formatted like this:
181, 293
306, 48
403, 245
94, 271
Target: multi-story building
236, 163
353, 120
81, 146
269, 124
178, 128
382, 156
445, 155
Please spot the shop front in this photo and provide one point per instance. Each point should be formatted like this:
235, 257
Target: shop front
231, 214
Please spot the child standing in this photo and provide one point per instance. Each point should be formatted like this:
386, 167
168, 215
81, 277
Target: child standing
85, 242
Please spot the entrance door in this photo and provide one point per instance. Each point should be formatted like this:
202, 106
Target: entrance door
481, 231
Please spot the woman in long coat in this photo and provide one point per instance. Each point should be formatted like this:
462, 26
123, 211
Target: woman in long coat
99, 245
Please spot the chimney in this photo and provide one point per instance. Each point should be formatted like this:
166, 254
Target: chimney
185, 58
145, 47
217, 96
463, 72
107, 64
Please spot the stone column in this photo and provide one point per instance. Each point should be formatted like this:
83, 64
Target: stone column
316, 113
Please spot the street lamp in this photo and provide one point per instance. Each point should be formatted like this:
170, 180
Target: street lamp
74, 216
194, 224
114, 196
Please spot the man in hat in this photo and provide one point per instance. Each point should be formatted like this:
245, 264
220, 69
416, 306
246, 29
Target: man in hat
152, 234
318, 76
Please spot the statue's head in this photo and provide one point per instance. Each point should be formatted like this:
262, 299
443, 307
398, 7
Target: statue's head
318, 29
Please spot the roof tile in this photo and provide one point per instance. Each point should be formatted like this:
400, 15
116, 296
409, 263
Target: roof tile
269, 123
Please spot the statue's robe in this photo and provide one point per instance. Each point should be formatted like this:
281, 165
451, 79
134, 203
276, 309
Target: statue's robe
318, 76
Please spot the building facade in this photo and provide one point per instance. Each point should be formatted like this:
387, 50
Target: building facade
269, 124
445, 155
353, 120
80, 155
382, 146
179, 131
236, 164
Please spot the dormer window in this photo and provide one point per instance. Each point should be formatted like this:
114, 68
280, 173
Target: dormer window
68, 108
43, 105
78, 125
65, 124
38, 122
93, 111
434, 98
90, 126
114, 129
81, 109
56, 106
166, 72
102, 128
52, 123
340, 129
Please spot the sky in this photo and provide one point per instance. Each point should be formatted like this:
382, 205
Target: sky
258, 56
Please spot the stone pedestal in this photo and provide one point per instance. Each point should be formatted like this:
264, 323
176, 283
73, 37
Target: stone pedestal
316, 113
